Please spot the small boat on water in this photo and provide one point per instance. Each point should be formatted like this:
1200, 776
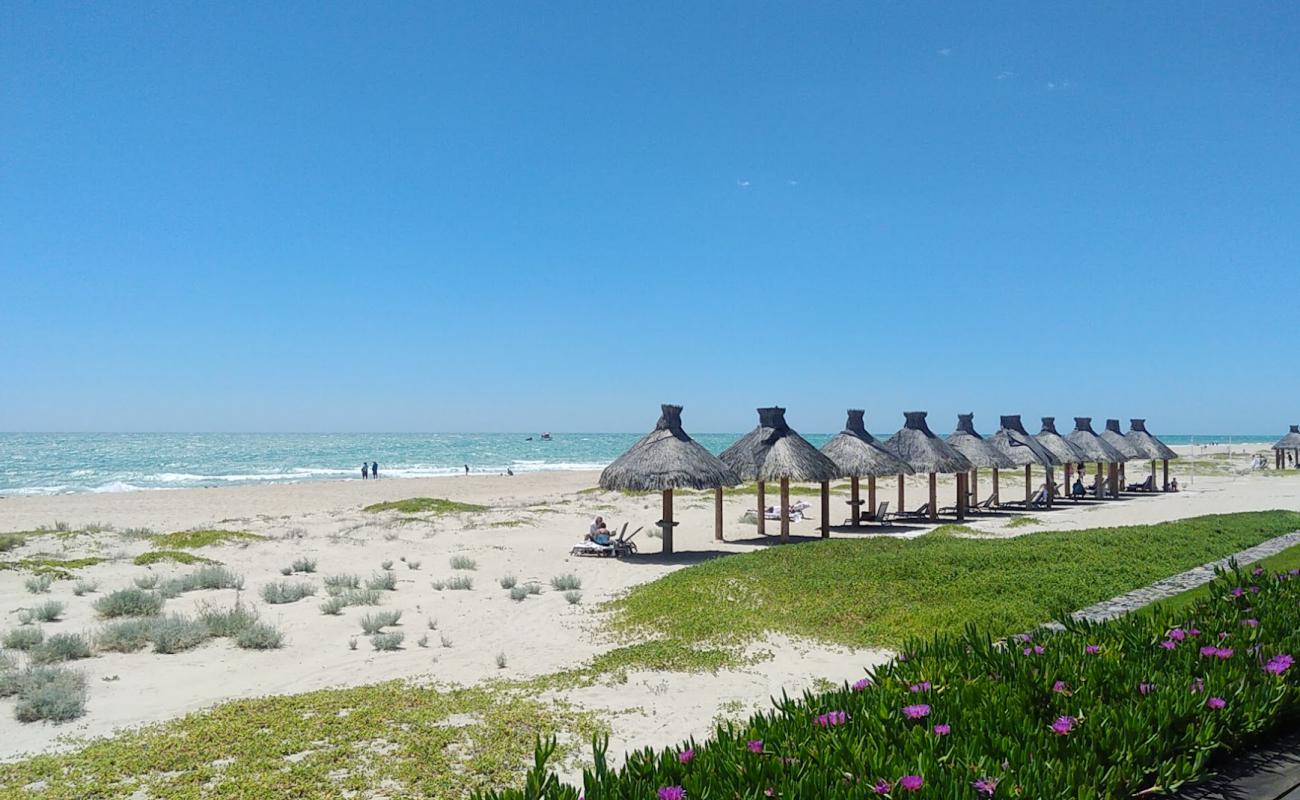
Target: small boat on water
546, 437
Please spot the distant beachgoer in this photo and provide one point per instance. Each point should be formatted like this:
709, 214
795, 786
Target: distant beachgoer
374, 469
467, 469
1078, 488
1173, 485
596, 524
365, 470
509, 471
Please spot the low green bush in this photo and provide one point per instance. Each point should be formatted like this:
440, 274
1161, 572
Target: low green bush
178, 633
259, 636
338, 584
565, 583
24, 638
422, 505
129, 603
49, 611
286, 592
385, 580
227, 622
126, 636
373, 623
389, 640
56, 694
60, 647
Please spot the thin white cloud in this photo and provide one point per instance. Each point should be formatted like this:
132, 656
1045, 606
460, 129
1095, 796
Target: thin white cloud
792, 183
945, 51
744, 184
1004, 75
1054, 85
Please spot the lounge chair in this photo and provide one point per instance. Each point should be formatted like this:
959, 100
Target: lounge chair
618, 547
881, 514
1148, 485
923, 511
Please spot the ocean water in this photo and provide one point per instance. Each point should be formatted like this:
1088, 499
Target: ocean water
45, 463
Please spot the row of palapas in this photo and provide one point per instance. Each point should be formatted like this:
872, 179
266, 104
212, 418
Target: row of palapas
667, 459
1289, 444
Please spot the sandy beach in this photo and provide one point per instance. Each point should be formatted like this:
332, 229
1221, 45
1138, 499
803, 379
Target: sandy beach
531, 523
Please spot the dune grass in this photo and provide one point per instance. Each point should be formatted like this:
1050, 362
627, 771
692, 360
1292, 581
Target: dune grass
331, 734
188, 540
422, 505
879, 592
56, 568
178, 556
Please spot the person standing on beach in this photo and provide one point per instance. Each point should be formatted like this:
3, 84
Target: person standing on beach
365, 470
467, 469
374, 470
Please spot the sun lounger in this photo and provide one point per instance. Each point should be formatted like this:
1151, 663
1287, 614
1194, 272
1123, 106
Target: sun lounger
881, 514
617, 547
1148, 485
923, 511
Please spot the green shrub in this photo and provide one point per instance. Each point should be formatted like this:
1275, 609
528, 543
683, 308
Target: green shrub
24, 638
171, 588
533, 587
38, 584
126, 636
413, 564
373, 623
60, 647
213, 577
49, 611
385, 581
338, 584
438, 585
518, 593
386, 565
56, 694
508, 582
260, 636
362, 597
563, 583
501, 660
421, 505
9, 675
304, 565
188, 540
178, 556
177, 633
391, 640
333, 606
463, 562
146, 581
227, 622
8, 541
573, 596
84, 588
129, 603
285, 592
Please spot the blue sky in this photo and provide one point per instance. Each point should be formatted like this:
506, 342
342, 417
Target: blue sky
478, 216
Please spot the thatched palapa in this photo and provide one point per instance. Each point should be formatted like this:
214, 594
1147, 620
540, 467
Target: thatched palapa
1114, 437
916, 444
1099, 451
668, 459
1056, 444
1146, 443
858, 454
774, 452
977, 450
1288, 444
1022, 449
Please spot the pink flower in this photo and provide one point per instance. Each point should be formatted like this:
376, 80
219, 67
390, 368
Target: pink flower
755, 745
1250, 623
1223, 635
672, 793
833, 718
1254, 589
1146, 688
1035, 650
1169, 644
911, 783
861, 685
1237, 591
1059, 687
1209, 650
1215, 702
923, 686
1257, 571
916, 711
1197, 686
1063, 725
985, 786
882, 786
686, 755
1279, 664
1223, 652
1193, 632
1177, 634
942, 730
1092, 649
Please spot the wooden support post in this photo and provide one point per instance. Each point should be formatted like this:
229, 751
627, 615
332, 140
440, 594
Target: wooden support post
996, 493
1051, 484
762, 509
1114, 480
1029, 484
855, 502
871, 495
962, 477
1165, 466
666, 524
785, 509
717, 514
901, 507
1069, 485
934, 496
1101, 482
1153, 475
826, 509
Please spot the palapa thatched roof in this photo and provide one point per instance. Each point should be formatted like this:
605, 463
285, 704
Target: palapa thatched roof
978, 452
1291, 441
1056, 444
667, 458
918, 446
1019, 447
1114, 437
1147, 444
858, 454
1094, 448
773, 451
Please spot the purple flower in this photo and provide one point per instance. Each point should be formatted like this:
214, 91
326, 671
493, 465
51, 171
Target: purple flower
1091, 650
1237, 591
1177, 634
1024, 637
1279, 664
942, 730
861, 685
1146, 688
882, 786
986, 786
1254, 589
1169, 644
1197, 686
1059, 687
1209, 650
833, 718
1223, 652
672, 793
686, 755
1063, 725
1223, 635
1215, 702
1294, 573
755, 745
911, 783
1250, 623
1035, 650
1193, 632
923, 686
1257, 571
916, 711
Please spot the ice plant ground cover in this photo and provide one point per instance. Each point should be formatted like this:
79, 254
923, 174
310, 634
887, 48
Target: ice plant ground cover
880, 591
1095, 710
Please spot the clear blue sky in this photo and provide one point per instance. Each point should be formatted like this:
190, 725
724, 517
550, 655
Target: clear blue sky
474, 216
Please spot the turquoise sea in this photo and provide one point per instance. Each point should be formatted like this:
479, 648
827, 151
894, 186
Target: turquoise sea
62, 463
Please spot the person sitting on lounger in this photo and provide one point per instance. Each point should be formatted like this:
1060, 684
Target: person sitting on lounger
1077, 490
599, 533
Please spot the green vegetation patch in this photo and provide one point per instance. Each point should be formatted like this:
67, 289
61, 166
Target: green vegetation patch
1021, 522
188, 540
880, 591
58, 568
1285, 561
413, 741
179, 556
423, 505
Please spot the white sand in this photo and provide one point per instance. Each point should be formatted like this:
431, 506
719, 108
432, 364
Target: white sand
540, 635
